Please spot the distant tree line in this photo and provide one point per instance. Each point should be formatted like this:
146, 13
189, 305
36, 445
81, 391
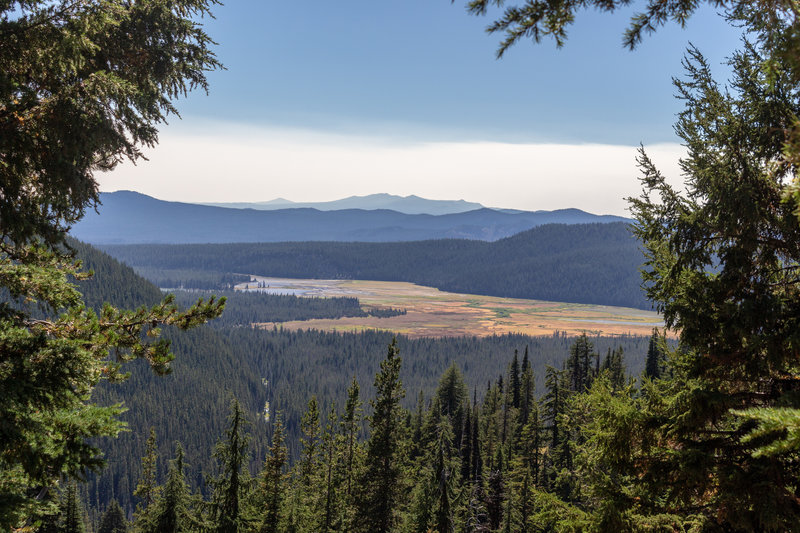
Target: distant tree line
192, 279
245, 308
583, 263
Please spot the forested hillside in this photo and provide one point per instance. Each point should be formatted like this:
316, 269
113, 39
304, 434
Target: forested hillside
582, 263
219, 362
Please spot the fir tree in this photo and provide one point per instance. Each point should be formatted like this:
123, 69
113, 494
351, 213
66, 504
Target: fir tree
350, 425
654, 363
72, 512
273, 481
380, 482
173, 508
113, 520
496, 493
331, 496
91, 104
147, 489
231, 455
445, 476
514, 381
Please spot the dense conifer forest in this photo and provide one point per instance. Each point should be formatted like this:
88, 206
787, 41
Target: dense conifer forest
224, 361
581, 263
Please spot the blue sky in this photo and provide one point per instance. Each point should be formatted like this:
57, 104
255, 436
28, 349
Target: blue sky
323, 99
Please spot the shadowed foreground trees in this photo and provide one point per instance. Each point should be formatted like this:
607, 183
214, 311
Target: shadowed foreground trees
82, 87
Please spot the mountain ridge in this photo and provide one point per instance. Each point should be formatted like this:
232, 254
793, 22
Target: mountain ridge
410, 205
127, 217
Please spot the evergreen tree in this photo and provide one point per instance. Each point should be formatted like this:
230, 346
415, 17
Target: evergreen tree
496, 493
451, 392
579, 367
331, 481
554, 403
72, 513
273, 481
445, 477
92, 103
350, 426
654, 363
721, 265
527, 389
514, 381
231, 455
476, 463
113, 520
173, 513
308, 500
466, 447
614, 364
381, 479
147, 489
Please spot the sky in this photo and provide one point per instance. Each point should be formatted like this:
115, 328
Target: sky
321, 100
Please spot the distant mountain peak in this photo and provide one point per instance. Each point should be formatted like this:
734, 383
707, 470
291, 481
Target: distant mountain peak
410, 205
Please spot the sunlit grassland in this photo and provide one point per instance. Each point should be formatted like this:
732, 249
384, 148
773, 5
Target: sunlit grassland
434, 313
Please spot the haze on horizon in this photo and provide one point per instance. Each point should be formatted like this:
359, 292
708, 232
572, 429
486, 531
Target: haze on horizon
406, 97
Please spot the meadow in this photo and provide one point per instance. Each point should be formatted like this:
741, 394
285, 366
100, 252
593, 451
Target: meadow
434, 313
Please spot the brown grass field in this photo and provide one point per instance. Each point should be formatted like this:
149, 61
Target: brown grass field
433, 313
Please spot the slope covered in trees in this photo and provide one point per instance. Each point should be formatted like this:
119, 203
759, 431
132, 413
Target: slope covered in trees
582, 263
514, 458
214, 364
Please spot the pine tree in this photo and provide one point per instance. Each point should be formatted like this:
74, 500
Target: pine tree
527, 389
350, 424
147, 489
614, 364
330, 458
350, 454
445, 477
92, 103
654, 362
721, 265
476, 463
273, 481
578, 364
113, 520
308, 499
380, 482
466, 447
172, 510
514, 381
496, 493
554, 403
231, 455
72, 511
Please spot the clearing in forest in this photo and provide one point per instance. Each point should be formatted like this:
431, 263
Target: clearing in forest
434, 313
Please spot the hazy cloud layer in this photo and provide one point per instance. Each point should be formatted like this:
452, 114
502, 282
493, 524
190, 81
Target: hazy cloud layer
226, 163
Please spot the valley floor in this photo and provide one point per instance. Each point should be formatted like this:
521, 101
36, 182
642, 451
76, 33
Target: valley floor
434, 313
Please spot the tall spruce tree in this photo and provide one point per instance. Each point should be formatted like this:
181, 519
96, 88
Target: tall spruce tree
113, 520
147, 489
654, 362
173, 509
331, 481
72, 512
273, 481
351, 454
722, 265
381, 479
232, 458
